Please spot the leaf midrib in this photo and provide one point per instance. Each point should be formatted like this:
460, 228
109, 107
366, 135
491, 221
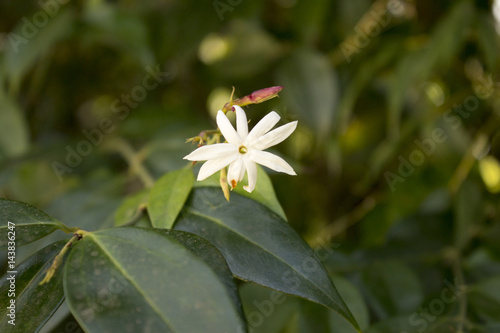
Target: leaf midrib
129, 278
194, 256
262, 247
48, 220
31, 224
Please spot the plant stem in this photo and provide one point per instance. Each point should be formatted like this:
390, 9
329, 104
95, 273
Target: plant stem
79, 234
133, 159
344, 222
468, 160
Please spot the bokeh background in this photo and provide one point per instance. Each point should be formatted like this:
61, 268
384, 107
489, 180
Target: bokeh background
397, 149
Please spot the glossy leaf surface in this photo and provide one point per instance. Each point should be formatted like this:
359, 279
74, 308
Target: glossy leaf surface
131, 279
27, 222
168, 196
260, 247
30, 297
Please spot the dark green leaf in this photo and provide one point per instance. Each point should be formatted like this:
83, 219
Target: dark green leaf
211, 256
30, 223
34, 304
131, 279
263, 193
168, 196
260, 247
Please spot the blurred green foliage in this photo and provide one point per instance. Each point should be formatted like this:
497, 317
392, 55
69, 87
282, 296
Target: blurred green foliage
396, 151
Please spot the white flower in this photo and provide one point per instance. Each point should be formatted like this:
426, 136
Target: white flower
243, 150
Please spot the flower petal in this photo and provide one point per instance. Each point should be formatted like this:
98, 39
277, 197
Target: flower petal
227, 129
212, 166
241, 122
242, 173
212, 152
252, 175
275, 136
262, 127
271, 161
236, 169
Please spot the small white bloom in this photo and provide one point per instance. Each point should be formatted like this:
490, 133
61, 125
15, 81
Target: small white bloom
243, 150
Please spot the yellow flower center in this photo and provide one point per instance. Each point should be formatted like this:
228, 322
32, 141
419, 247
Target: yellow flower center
243, 150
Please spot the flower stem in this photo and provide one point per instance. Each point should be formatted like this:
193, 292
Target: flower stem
79, 234
344, 222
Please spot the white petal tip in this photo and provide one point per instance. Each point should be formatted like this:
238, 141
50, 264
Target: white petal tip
199, 178
189, 157
248, 189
